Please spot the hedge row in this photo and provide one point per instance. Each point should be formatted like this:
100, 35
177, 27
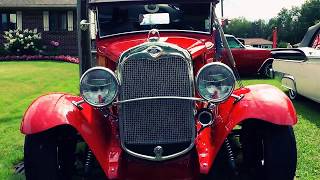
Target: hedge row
40, 57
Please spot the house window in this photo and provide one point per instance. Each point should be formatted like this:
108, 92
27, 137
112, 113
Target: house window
8, 21
58, 21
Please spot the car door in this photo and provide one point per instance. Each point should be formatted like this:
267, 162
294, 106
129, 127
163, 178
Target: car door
308, 80
237, 50
248, 61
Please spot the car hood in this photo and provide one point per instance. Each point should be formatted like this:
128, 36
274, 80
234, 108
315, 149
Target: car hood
114, 47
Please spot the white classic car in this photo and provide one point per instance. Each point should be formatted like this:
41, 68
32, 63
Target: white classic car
299, 68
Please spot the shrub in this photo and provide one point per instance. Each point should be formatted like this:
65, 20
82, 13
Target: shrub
26, 42
282, 44
3, 52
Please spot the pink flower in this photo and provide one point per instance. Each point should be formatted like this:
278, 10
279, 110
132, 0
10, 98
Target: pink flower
55, 43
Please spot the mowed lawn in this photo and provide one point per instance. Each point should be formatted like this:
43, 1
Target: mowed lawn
22, 82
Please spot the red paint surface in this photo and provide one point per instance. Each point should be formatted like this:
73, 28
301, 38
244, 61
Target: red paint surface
113, 47
248, 60
98, 132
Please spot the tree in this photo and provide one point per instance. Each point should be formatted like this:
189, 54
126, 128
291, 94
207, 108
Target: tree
309, 16
239, 27
292, 24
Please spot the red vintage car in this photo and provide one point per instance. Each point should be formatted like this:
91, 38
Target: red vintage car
155, 104
250, 60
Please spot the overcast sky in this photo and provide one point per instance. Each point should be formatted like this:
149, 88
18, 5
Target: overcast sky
255, 9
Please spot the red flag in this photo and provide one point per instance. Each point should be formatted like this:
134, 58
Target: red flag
274, 37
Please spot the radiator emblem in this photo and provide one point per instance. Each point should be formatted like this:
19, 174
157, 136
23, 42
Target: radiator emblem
158, 152
154, 51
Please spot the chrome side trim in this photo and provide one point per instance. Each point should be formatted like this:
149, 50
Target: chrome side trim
160, 97
286, 76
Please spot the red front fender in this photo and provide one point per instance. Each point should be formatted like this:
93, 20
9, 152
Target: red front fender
260, 102
53, 110
263, 102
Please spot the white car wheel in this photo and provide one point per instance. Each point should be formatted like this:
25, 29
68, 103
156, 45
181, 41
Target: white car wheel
268, 71
292, 94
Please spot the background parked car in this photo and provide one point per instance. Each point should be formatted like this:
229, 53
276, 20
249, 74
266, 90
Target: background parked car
299, 68
249, 60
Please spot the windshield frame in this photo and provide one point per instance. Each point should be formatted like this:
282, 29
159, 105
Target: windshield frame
160, 30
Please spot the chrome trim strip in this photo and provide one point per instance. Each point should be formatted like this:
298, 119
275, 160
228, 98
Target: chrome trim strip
160, 97
151, 158
287, 76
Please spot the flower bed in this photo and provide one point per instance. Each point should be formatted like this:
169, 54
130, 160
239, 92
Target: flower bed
61, 58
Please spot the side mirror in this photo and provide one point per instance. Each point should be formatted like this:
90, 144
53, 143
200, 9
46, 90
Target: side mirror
84, 25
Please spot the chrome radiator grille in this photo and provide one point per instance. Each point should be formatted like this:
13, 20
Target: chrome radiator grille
160, 121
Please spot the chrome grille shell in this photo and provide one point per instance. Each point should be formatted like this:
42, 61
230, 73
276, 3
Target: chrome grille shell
144, 71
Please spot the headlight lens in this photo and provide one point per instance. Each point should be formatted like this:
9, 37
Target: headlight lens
99, 86
215, 82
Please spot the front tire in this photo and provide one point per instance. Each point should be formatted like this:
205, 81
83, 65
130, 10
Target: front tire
267, 70
269, 151
48, 155
264, 151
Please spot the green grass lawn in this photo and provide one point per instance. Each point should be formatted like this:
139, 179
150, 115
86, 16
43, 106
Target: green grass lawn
22, 82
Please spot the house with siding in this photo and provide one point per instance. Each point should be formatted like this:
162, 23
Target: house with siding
54, 19
258, 42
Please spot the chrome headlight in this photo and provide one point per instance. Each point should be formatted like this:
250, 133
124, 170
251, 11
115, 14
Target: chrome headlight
99, 86
215, 82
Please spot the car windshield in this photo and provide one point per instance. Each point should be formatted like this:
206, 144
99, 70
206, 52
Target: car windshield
233, 43
115, 19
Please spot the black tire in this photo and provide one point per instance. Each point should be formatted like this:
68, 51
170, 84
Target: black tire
49, 155
269, 152
292, 94
267, 70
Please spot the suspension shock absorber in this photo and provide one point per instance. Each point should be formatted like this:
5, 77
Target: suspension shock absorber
88, 162
231, 157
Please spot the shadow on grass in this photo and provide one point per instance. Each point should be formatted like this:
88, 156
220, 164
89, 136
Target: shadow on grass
308, 109
7, 119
